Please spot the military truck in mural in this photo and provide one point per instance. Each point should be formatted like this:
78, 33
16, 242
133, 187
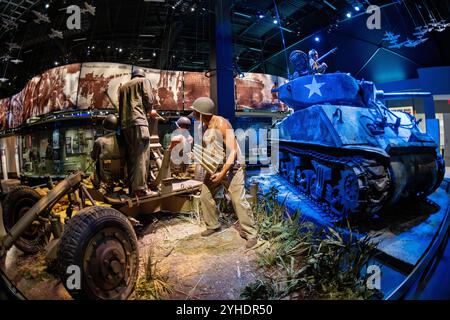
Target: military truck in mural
343, 147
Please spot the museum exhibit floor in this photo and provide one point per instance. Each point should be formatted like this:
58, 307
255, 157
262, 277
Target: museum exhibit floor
181, 258
402, 234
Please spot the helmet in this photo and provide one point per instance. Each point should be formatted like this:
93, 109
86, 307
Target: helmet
137, 73
298, 58
183, 121
110, 122
295, 54
312, 53
204, 105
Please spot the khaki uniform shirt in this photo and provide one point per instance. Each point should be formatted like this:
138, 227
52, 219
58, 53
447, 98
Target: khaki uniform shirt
135, 101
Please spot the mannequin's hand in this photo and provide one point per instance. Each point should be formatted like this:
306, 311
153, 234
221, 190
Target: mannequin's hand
153, 114
217, 177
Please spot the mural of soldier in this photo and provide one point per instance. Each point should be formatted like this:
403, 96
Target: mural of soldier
96, 86
4, 107
254, 92
57, 90
15, 115
196, 85
30, 105
167, 87
96, 80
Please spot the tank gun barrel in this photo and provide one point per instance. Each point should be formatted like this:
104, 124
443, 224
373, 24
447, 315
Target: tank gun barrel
327, 54
381, 95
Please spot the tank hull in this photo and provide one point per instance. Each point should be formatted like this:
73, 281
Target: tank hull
332, 153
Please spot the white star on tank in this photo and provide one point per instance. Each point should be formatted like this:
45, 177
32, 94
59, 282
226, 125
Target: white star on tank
314, 87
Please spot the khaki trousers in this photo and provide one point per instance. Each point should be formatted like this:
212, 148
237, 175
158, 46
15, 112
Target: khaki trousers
241, 206
137, 139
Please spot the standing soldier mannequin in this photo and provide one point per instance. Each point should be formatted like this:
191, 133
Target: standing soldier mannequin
314, 64
230, 174
135, 102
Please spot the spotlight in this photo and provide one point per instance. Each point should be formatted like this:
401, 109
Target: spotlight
193, 9
275, 21
349, 15
317, 39
154, 54
47, 6
56, 63
357, 8
261, 16
120, 50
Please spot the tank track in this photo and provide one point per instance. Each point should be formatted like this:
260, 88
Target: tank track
344, 186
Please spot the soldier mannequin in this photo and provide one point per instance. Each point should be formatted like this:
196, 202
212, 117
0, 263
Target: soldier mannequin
181, 158
314, 64
231, 174
135, 102
299, 61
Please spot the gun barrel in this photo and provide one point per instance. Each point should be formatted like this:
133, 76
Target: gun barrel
327, 54
401, 95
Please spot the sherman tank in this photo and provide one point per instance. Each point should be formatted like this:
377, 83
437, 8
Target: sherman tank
344, 148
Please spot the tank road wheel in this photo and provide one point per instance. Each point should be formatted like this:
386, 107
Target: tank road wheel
103, 244
15, 205
348, 193
307, 178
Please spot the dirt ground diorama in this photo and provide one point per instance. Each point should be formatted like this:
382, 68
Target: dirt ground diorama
292, 260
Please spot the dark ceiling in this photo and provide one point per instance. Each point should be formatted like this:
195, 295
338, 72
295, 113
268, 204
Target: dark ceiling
175, 34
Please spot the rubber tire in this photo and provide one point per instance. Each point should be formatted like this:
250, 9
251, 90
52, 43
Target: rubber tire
76, 236
10, 211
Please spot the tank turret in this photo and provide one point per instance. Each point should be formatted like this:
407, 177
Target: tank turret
344, 147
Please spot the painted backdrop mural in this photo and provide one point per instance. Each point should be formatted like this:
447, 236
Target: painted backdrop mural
167, 87
57, 90
95, 85
196, 85
98, 80
254, 92
4, 107
15, 113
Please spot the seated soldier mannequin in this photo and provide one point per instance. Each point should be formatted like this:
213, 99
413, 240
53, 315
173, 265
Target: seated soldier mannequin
107, 148
299, 61
315, 67
181, 145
